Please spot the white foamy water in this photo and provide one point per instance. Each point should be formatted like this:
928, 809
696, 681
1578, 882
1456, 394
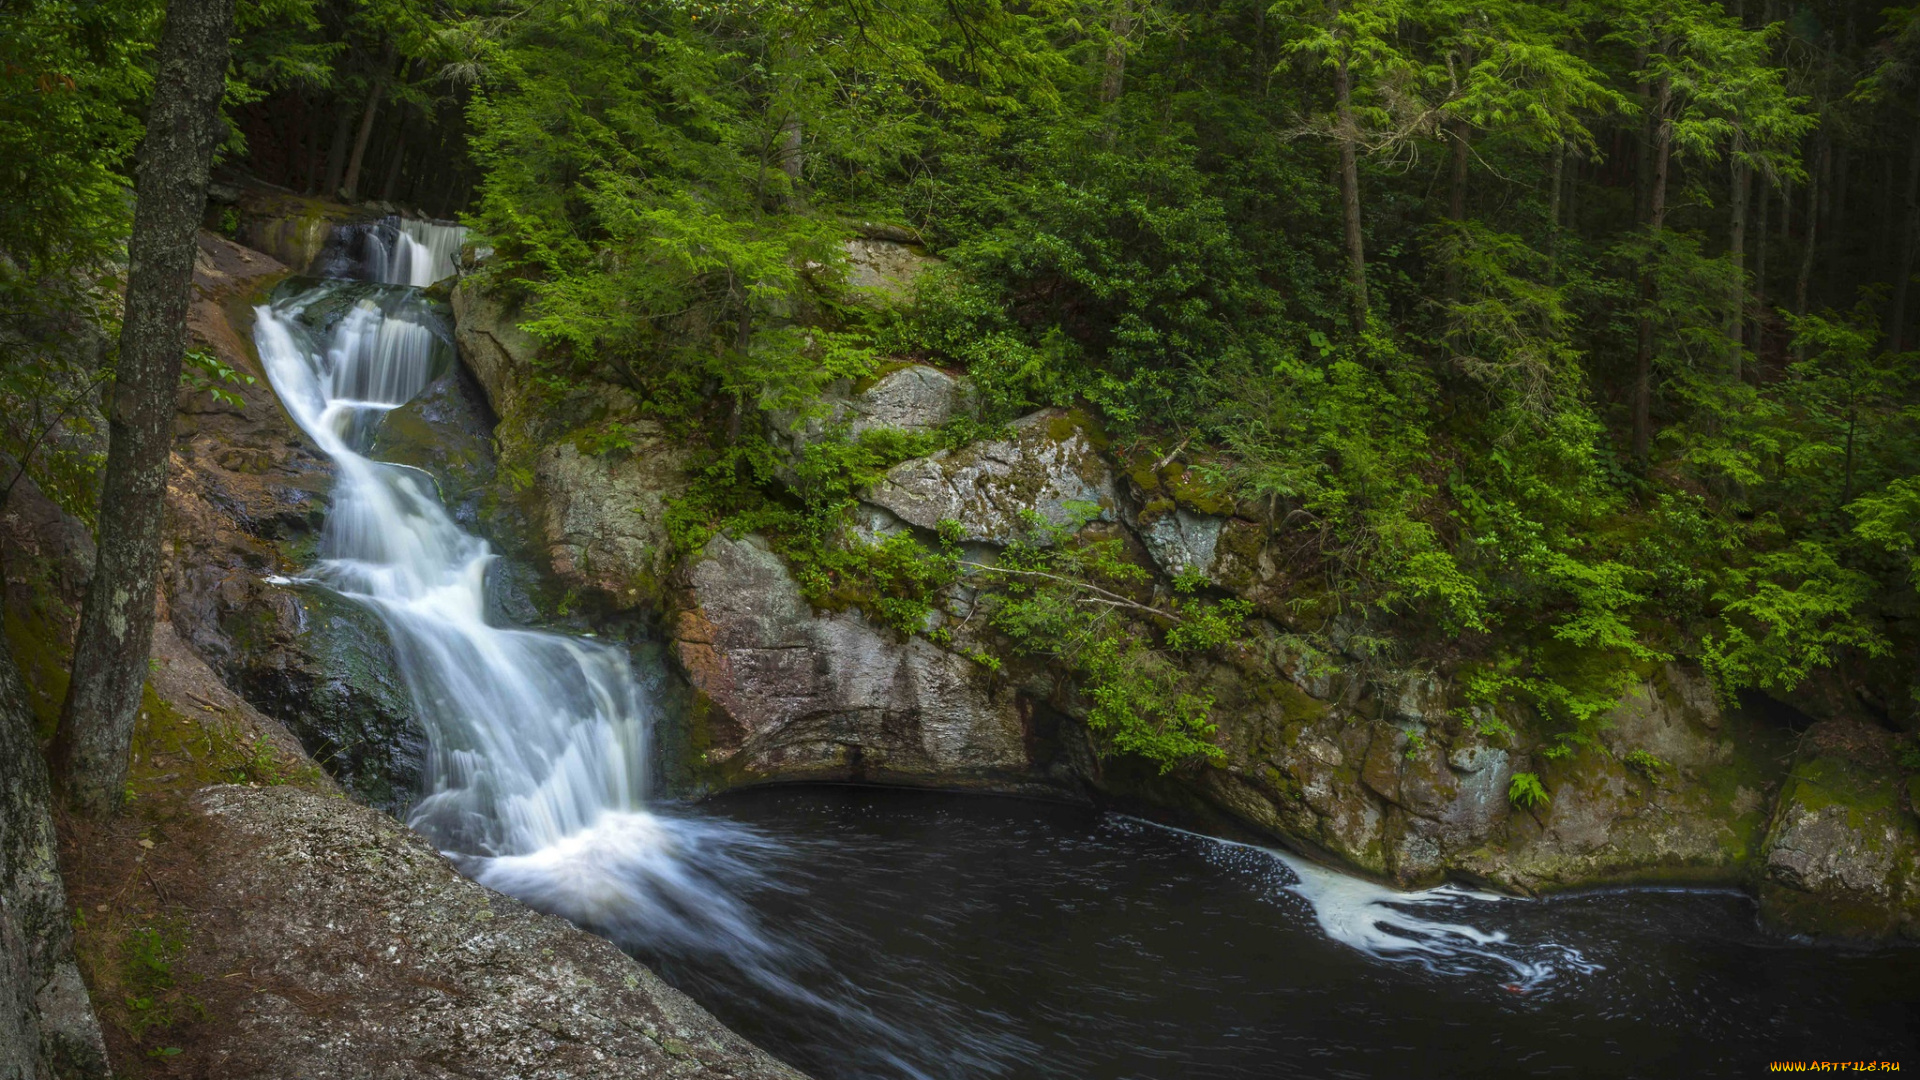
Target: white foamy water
1424, 926
537, 762
537, 742
423, 252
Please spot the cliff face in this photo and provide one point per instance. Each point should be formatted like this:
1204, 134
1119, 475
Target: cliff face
1385, 770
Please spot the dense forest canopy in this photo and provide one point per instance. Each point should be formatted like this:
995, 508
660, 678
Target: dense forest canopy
1571, 336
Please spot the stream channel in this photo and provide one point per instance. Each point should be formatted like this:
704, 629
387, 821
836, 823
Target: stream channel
872, 933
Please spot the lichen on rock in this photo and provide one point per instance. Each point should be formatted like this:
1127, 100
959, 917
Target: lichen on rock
1046, 464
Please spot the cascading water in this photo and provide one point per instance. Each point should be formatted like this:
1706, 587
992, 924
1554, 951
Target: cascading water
538, 761
423, 252
393, 250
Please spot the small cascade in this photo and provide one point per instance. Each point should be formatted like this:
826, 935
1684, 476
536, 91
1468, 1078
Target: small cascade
423, 252
393, 250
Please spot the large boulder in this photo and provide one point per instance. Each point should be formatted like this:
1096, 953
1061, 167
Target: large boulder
1678, 791
1046, 464
1842, 854
486, 326
422, 972
883, 266
787, 693
604, 516
912, 398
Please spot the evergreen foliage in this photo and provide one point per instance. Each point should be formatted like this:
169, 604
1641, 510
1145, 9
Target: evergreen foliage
1601, 354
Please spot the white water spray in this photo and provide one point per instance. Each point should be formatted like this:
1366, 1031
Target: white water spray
537, 761
537, 742
423, 252
1391, 925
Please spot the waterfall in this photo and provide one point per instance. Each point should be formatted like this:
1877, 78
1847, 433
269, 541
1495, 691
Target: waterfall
537, 742
423, 252
393, 250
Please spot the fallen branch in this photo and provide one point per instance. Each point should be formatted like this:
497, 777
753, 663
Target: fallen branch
1111, 598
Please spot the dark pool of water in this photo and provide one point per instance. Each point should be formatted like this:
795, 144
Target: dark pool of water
956, 936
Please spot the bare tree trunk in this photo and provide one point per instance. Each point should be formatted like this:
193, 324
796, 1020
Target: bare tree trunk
116, 625
1113, 73
1460, 135
1349, 134
1661, 150
350, 186
1805, 277
1553, 210
399, 156
316, 143
337, 150
1836, 229
1760, 265
1883, 236
1737, 254
1910, 241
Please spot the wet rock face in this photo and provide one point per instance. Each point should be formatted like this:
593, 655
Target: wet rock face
1842, 855
792, 694
246, 496
369, 957
1048, 462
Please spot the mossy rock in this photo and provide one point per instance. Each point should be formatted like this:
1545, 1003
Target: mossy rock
1842, 855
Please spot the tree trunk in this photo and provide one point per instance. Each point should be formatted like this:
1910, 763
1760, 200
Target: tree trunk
1760, 266
350, 186
1348, 135
399, 156
1910, 240
1113, 71
1883, 237
1459, 135
337, 150
1836, 228
1660, 152
1737, 254
316, 143
1553, 209
116, 624
47, 1026
1805, 277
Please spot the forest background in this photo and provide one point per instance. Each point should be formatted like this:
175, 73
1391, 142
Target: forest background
1560, 338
